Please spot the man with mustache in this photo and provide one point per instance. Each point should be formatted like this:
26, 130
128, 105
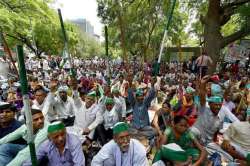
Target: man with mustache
122, 150
12, 154
61, 149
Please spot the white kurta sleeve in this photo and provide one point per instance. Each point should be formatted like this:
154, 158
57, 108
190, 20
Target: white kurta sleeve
103, 155
98, 120
139, 154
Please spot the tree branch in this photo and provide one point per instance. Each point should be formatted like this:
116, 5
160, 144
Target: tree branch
236, 3
229, 9
235, 36
11, 6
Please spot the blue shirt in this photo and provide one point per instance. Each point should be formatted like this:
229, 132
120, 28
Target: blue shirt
12, 127
140, 110
72, 154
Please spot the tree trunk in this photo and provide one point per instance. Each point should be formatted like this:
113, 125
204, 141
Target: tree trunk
212, 34
121, 26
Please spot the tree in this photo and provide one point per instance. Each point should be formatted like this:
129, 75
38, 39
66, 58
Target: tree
142, 23
36, 25
220, 28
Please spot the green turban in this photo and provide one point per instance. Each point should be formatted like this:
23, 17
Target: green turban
109, 101
215, 99
120, 127
139, 92
248, 112
55, 126
115, 90
92, 94
190, 90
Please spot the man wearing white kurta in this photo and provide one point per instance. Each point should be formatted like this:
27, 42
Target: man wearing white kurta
121, 151
120, 104
44, 102
88, 114
64, 105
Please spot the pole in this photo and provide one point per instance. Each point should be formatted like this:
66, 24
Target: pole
26, 102
165, 32
107, 52
66, 49
7, 49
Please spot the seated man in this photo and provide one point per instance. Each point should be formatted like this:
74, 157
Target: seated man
237, 140
8, 123
63, 104
140, 105
43, 101
61, 149
14, 154
122, 150
88, 114
110, 118
120, 104
210, 118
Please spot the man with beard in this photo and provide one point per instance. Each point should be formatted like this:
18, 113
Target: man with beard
140, 104
210, 117
64, 105
15, 154
61, 149
122, 150
88, 112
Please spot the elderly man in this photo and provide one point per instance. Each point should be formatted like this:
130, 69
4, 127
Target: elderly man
122, 150
8, 123
61, 149
15, 154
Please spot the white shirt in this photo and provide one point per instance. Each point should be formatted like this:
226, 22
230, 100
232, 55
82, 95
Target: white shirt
86, 117
225, 112
64, 109
203, 60
47, 107
111, 155
110, 118
230, 105
120, 105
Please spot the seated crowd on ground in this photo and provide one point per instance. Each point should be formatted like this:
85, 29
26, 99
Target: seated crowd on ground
123, 115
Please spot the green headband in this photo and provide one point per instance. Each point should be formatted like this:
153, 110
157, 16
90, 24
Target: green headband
55, 126
248, 112
139, 92
190, 90
115, 90
120, 127
91, 94
109, 101
215, 99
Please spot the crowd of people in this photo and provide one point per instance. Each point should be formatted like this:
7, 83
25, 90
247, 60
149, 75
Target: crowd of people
107, 113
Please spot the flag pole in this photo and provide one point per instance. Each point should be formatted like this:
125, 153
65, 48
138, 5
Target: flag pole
165, 35
66, 48
26, 103
107, 52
